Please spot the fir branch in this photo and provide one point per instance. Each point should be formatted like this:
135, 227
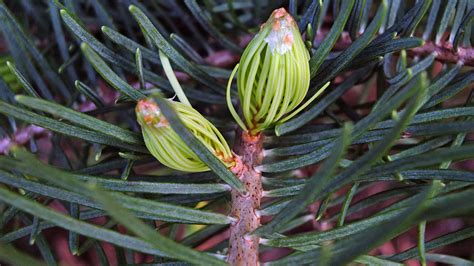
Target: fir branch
243, 247
444, 53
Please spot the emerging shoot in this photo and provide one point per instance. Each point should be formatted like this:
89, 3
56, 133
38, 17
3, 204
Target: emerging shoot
168, 148
273, 75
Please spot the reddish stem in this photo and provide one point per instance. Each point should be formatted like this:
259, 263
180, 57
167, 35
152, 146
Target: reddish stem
443, 52
243, 247
446, 53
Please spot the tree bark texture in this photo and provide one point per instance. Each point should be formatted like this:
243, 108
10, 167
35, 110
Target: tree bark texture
243, 247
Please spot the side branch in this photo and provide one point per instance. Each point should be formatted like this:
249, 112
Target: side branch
243, 248
443, 52
446, 53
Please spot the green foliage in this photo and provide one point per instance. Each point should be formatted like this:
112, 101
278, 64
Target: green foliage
406, 127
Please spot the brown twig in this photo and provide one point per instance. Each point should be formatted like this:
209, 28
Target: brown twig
443, 52
446, 53
243, 247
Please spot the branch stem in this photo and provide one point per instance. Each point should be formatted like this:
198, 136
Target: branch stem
443, 52
243, 247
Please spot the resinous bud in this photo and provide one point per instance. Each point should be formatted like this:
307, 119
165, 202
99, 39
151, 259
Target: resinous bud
273, 75
168, 148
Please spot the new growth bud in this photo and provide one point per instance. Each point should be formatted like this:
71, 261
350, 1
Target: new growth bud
273, 75
168, 148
